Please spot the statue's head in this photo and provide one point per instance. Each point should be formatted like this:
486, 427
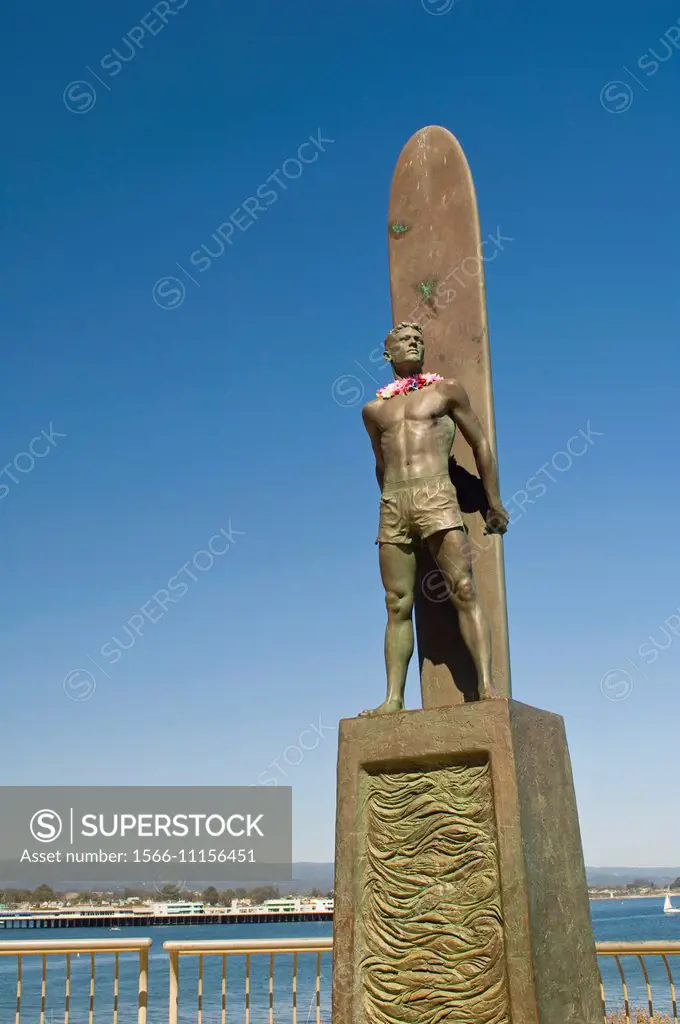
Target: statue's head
405, 349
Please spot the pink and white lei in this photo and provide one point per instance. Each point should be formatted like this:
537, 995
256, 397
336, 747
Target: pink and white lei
402, 385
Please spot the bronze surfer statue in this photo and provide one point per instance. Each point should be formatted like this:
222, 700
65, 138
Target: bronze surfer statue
412, 424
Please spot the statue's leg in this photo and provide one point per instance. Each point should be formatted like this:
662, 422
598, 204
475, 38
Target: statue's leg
451, 551
398, 573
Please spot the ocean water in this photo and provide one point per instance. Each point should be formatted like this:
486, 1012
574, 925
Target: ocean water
622, 920
637, 920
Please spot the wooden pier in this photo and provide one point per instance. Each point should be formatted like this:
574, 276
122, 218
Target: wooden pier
106, 919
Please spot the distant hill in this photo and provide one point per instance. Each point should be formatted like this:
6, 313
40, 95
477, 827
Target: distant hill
624, 876
320, 876
309, 875
306, 876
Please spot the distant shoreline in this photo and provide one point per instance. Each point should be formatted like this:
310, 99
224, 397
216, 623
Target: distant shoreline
613, 899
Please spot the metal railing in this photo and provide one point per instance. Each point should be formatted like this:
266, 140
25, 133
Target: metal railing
620, 1002
288, 980
67, 949
652, 972
263, 1007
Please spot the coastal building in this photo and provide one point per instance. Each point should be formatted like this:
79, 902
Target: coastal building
184, 908
241, 906
297, 905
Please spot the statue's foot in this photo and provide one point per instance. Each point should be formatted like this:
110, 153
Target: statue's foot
384, 708
490, 693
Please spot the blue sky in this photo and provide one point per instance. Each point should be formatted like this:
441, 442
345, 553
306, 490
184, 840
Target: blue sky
218, 412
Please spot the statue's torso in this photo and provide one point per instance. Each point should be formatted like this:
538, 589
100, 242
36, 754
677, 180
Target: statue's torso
416, 434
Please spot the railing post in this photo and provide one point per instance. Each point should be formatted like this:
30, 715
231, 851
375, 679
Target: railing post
174, 988
143, 996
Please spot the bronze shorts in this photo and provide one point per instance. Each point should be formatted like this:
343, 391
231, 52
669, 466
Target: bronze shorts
412, 510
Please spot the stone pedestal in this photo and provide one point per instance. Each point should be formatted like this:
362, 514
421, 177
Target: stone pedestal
460, 890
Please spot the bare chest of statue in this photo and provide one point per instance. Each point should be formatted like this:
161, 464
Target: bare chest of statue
416, 434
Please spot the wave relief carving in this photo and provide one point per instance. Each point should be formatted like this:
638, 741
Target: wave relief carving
430, 927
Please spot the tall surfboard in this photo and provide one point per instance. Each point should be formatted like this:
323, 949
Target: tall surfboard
437, 280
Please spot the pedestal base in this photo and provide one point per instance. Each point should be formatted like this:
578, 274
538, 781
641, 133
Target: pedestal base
460, 889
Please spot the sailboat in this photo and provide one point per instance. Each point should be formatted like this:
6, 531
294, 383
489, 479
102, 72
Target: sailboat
668, 907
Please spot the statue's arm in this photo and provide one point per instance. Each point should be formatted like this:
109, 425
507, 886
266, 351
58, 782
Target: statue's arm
373, 431
465, 418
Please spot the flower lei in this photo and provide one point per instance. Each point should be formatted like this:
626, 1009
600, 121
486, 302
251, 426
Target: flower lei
402, 385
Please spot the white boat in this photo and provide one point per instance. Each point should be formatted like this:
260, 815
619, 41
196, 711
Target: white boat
668, 907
